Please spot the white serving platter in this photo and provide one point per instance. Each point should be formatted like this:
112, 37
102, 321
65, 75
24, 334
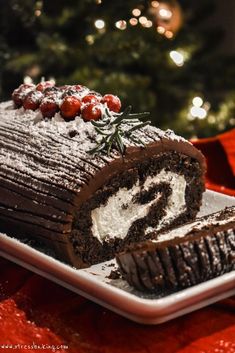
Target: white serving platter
116, 295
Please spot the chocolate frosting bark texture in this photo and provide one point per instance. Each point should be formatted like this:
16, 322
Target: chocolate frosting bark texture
47, 174
183, 257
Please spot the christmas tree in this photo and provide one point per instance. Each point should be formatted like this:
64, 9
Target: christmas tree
159, 56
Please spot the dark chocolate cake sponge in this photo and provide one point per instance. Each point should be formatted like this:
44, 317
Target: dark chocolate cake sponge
87, 207
182, 257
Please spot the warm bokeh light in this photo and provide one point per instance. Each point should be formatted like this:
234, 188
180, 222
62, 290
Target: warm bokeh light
121, 24
143, 20
197, 101
211, 119
52, 79
90, 39
133, 21
165, 14
169, 34
148, 24
28, 79
38, 13
177, 57
99, 24
155, 4
136, 12
198, 112
161, 29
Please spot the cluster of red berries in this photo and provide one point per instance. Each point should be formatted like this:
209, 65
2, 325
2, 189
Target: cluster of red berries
70, 101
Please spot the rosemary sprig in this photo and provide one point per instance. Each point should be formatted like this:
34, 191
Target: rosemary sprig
113, 128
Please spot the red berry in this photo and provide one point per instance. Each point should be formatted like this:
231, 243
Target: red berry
91, 111
70, 107
17, 98
20, 93
43, 85
90, 98
113, 102
26, 86
32, 100
49, 107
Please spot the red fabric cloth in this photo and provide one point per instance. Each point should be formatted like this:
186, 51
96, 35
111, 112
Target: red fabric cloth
220, 156
36, 312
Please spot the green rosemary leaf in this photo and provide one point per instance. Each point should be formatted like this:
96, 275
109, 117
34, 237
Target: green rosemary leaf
108, 148
122, 116
112, 132
131, 121
110, 141
120, 144
97, 149
101, 132
137, 127
138, 115
99, 124
137, 140
107, 113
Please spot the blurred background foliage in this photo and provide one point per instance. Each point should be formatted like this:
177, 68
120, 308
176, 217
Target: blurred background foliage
159, 56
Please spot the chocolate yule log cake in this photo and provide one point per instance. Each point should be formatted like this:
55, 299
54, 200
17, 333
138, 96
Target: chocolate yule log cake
85, 179
185, 256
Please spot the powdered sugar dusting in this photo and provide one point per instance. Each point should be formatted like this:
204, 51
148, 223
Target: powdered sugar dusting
55, 150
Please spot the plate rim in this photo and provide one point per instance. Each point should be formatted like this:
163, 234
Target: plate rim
151, 310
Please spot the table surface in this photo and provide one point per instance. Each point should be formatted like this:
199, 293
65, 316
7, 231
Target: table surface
37, 315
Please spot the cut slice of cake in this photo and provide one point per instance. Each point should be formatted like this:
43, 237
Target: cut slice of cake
182, 257
86, 180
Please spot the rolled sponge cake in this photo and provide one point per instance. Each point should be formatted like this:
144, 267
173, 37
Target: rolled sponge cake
185, 256
86, 207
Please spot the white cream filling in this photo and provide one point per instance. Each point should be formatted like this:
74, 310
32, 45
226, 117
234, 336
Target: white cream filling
113, 221
181, 231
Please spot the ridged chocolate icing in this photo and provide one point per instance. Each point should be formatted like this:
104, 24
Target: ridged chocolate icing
46, 172
183, 257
